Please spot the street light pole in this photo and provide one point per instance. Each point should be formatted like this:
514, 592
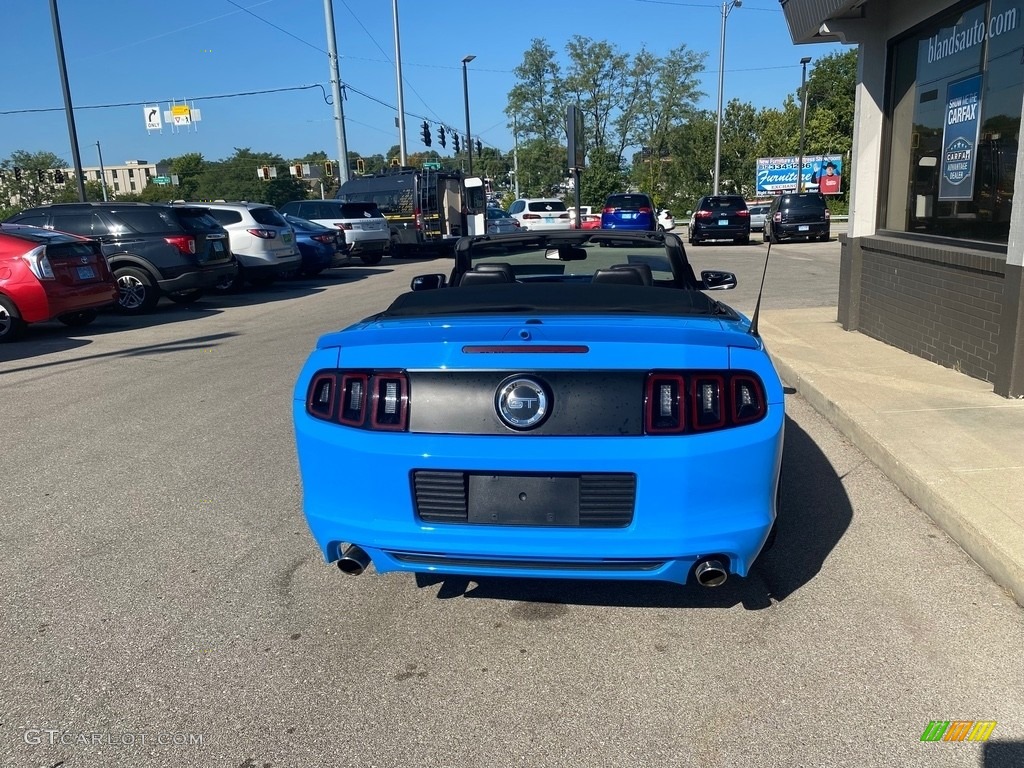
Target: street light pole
465, 95
402, 157
68, 108
803, 123
726, 7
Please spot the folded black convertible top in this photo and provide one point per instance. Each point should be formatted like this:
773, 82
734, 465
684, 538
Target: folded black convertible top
553, 298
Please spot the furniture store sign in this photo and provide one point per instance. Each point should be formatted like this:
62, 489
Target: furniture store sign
960, 138
821, 173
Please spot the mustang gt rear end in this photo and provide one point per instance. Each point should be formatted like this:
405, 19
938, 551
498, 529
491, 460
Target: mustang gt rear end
565, 405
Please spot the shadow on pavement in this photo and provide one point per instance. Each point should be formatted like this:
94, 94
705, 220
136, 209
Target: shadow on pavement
178, 345
1003, 754
815, 512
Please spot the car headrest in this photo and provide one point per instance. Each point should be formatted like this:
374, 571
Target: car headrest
485, 277
618, 276
497, 266
643, 268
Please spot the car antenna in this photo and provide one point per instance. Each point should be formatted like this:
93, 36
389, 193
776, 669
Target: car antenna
757, 306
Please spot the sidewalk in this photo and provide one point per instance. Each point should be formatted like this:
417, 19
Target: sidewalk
946, 440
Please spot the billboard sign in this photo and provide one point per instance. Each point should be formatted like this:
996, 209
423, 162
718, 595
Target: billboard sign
821, 173
960, 139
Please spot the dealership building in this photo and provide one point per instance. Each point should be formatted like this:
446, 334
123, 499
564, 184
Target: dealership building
933, 262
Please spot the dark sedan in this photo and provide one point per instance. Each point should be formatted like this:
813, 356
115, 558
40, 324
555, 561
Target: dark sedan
320, 247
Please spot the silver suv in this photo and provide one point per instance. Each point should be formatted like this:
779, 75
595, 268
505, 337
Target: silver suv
367, 233
262, 241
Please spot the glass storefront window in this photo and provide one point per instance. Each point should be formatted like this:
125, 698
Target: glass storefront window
956, 88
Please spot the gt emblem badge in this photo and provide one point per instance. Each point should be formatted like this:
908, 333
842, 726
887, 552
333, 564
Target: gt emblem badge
521, 403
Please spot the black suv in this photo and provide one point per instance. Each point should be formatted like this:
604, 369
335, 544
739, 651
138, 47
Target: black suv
720, 217
153, 250
797, 214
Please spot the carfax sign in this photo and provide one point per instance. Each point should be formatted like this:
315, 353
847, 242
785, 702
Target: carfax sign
960, 139
820, 173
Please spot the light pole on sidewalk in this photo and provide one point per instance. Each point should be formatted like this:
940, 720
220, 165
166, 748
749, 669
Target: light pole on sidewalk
803, 123
465, 96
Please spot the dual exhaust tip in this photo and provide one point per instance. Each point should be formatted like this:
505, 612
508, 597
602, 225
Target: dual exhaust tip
710, 572
353, 560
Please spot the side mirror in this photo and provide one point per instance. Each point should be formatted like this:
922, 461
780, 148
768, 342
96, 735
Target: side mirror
428, 282
713, 280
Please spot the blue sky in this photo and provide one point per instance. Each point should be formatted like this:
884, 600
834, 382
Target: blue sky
127, 51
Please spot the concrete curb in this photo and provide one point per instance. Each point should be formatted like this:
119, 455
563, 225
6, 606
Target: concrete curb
977, 539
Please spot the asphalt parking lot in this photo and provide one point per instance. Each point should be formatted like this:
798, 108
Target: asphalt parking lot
164, 605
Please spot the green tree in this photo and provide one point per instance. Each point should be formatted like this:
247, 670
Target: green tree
37, 184
189, 169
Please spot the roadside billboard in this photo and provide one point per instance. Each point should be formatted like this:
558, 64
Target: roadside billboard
820, 173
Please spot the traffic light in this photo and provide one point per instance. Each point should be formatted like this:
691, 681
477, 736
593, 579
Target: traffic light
426, 133
17, 173
298, 170
328, 169
440, 136
455, 142
58, 177
479, 148
361, 165
41, 174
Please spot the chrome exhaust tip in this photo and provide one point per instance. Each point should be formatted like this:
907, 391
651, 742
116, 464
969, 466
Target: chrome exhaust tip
353, 560
711, 573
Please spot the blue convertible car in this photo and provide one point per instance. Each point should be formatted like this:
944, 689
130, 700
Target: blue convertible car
566, 404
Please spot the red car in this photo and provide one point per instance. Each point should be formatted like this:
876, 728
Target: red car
46, 275
591, 221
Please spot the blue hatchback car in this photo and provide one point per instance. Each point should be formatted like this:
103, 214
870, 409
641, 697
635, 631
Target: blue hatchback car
629, 211
561, 405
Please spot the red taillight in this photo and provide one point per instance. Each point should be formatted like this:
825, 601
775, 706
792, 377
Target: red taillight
418, 218
516, 222
743, 213
608, 209
644, 210
366, 400
531, 216
390, 401
703, 214
663, 407
184, 243
342, 225
263, 234
777, 217
701, 401
324, 238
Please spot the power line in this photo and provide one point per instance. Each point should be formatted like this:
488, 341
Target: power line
151, 101
279, 29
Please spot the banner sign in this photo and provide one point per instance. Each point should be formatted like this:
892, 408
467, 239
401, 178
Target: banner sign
960, 139
821, 173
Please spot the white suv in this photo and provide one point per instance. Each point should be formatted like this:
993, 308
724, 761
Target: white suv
367, 233
262, 241
541, 214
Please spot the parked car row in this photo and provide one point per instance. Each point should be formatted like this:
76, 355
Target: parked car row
789, 216
180, 251
631, 211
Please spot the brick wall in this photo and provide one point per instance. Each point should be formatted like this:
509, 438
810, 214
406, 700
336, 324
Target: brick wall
940, 303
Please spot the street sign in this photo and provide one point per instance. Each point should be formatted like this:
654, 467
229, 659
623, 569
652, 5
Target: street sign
152, 116
181, 114
162, 180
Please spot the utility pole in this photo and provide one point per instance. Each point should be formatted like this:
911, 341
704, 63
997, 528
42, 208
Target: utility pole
726, 8
103, 173
465, 96
339, 113
403, 158
68, 109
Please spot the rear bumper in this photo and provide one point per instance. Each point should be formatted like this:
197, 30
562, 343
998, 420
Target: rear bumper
801, 229
36, 304
201, 279
719, 232
693, 499
361, 247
